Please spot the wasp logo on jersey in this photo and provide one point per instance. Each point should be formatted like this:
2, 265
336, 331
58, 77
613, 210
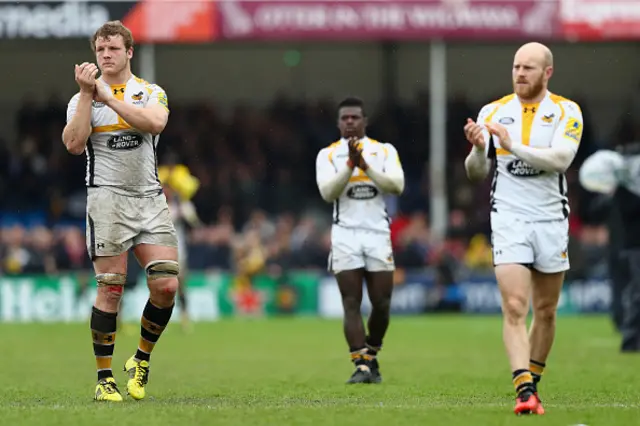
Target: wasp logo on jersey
137, 96
362, 192
125, 142
519, 168
548, 118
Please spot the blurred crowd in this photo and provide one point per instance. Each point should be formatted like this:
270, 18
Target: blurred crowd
258, 190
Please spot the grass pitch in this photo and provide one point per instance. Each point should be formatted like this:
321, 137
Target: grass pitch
448, 370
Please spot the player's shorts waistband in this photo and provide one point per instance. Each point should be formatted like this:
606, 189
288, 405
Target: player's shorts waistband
524, 218
371, 231
125, 192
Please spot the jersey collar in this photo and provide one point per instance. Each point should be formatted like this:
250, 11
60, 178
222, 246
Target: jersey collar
364, 139
546, 95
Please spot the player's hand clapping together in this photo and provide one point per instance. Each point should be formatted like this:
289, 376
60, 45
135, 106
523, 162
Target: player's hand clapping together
473, 133
86, 77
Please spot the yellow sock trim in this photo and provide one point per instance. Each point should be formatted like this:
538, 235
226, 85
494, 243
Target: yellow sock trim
361, 354
146, 346
103, 362
522, 379
536, 369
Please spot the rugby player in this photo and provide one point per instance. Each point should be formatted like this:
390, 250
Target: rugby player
116, 120
533, 136
354, 173
179, 187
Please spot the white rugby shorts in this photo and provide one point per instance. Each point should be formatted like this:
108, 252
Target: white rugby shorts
540, 245
359, 248
116, 222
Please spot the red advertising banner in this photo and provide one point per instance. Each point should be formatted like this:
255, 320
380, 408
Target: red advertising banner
600, 19
396, 20
162, 21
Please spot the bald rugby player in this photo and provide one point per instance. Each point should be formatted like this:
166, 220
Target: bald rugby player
532, 135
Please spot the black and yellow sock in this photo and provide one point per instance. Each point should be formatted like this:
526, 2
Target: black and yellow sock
537, 370
103, 331
360, 356
154, 321
373, 347
522, 381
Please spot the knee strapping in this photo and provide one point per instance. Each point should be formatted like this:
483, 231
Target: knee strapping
111, 279
162, 269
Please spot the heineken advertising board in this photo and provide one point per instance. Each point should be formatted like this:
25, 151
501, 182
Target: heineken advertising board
211, 296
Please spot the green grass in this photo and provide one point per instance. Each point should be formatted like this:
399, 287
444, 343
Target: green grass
437, 371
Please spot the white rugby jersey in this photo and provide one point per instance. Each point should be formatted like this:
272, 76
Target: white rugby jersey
118, 156
517, 187
361, 204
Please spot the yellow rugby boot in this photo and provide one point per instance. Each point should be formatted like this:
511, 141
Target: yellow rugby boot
138, 372
107, 390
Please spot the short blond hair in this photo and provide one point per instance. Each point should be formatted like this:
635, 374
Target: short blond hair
112, 29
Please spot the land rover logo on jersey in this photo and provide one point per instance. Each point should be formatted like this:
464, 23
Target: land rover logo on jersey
506, 120
362, 192
96, 104
125, 142
519, 168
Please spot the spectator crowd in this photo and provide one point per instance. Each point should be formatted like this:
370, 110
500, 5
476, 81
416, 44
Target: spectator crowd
256, 168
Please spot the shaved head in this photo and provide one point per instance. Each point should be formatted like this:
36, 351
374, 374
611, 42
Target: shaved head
532, 69
538, 52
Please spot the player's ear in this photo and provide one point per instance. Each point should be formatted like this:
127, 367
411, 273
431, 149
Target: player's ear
548, 72
130, 53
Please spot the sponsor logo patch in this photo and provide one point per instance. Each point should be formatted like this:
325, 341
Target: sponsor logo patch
362, 192
126, 142
519, 168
